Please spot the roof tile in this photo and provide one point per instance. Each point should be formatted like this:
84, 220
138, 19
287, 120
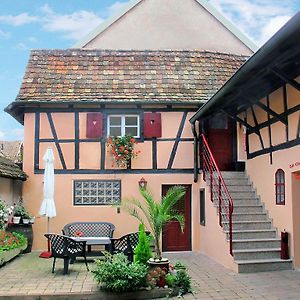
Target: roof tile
121, 76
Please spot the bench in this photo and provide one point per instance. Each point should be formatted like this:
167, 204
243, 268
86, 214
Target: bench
89, 229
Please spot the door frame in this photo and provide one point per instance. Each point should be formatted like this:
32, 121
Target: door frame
189, 186
203, 128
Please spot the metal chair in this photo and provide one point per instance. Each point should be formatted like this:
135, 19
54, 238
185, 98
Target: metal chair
126, 244
67, 249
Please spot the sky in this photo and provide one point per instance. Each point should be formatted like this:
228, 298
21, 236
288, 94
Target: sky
59, 24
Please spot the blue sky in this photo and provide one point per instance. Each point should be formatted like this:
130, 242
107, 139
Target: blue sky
54, 24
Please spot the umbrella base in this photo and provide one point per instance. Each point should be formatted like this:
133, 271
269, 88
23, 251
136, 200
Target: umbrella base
45, 254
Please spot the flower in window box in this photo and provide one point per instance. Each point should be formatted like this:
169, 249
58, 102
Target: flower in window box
122, 149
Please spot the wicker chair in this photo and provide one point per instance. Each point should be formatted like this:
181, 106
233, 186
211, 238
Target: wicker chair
126, 244
67, 249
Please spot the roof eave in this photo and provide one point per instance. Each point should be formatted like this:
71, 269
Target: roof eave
262, 56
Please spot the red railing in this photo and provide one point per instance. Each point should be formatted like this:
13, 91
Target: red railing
218, 189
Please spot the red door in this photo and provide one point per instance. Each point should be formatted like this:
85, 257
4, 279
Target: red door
219, 135
173, 238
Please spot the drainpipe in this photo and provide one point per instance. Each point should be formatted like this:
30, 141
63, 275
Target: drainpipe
195, 152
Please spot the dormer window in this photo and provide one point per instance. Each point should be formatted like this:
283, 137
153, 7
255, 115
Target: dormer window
120, 125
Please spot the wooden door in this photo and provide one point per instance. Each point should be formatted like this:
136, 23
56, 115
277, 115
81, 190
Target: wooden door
173, 238
220, 140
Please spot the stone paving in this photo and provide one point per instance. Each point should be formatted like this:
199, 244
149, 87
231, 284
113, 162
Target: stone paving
29, 275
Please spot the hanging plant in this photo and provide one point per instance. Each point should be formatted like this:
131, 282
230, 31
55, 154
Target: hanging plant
122, 149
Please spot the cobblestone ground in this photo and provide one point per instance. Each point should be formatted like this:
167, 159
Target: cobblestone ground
30, 275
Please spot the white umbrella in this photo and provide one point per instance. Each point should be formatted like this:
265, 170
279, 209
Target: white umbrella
47, 208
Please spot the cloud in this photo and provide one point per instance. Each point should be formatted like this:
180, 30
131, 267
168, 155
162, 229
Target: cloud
73, 26
18, 133
2, 134
272, 27
253, 16
21, 46
116, 7
4, 34
32, 39
18, 20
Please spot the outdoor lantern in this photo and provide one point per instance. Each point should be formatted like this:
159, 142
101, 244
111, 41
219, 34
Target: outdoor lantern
143, 183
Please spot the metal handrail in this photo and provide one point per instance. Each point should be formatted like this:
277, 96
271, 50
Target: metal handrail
218, 189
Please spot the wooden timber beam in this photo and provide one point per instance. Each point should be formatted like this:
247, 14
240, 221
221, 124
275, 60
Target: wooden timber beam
237, 119
272, 112
285, 78
256, 124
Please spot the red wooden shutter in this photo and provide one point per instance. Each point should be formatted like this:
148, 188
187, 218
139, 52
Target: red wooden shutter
152, 125
94, 125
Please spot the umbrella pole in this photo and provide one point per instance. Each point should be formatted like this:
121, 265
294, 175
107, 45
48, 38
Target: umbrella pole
47, 254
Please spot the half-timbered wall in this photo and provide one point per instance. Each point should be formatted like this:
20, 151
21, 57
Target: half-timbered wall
164, 160
275, 145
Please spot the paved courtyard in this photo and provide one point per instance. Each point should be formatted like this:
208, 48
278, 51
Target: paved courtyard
29, 276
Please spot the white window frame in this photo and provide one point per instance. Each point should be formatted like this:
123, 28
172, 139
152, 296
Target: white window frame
123, 127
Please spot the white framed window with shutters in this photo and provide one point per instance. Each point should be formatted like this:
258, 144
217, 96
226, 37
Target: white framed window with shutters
121, 125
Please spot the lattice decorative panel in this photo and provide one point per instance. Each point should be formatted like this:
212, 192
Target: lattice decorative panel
97, 192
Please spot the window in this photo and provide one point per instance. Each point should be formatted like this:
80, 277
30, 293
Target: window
97, 192
280, 187
202, 207
120, 125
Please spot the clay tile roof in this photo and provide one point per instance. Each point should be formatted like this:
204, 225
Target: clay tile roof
11, 150
126, 76
9, 169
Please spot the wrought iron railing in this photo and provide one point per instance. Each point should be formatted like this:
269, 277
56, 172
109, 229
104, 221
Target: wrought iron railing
218, 189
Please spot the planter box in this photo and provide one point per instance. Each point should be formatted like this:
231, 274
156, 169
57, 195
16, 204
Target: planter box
9, 255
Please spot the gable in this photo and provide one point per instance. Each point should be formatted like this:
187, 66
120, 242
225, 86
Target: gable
169, 24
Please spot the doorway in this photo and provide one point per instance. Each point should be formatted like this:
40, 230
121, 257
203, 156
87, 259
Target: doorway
173, 238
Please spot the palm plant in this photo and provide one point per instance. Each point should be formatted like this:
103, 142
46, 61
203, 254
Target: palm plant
156, 214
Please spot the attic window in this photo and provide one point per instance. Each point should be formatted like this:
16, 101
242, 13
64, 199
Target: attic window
120, 125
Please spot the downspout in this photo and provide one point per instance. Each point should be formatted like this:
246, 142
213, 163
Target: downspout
195, 152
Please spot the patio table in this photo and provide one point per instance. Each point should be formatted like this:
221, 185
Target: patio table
101, 240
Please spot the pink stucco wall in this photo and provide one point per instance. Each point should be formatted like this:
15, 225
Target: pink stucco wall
262, 173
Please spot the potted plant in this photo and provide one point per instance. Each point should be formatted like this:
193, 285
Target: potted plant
26, 216
155, 215
122, 149
18, 213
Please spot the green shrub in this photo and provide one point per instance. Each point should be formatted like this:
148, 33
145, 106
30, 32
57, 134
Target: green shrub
116, 274
183, 282
178, 279
171, 280
142, 251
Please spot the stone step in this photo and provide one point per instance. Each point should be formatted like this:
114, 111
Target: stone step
238, 244
263, 265
243, 195
250, 225
252, 234
233, 175
248, 208
236, 181
238, 201
254, 254
240, 188
249, 216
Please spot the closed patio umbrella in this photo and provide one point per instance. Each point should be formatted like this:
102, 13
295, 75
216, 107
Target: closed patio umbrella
47, 208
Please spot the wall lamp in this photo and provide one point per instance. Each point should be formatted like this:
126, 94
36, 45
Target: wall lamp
143, 183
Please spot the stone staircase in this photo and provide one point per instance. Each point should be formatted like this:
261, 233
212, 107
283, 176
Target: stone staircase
256, 244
